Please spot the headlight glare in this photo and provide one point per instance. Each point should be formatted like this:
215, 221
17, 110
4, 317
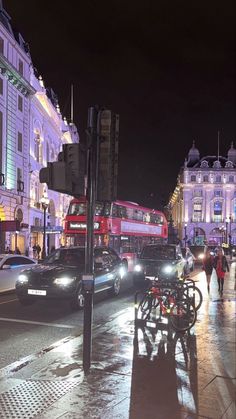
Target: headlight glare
167, 269
201, 256
23, 279
64, 280
138, 268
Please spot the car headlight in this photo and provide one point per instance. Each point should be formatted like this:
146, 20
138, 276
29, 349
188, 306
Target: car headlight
167, 269
138, 268
22, 279
64, 280
122, 271
201, 256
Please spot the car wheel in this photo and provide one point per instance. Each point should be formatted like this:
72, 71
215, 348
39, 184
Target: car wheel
26, 301
77, 303
115, 290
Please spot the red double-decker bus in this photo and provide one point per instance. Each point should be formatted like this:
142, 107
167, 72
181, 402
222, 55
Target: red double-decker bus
124, 226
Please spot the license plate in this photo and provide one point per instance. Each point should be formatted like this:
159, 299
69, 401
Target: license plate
37, 292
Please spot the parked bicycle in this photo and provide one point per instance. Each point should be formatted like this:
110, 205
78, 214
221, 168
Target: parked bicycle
168, 300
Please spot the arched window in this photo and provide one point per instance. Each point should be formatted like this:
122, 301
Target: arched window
217, 215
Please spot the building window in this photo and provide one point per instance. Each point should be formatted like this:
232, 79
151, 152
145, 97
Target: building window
20, 142
231, 179
1, 46
20, 183
217, 193
197, 193
21, 67
193, 178
38, 149
20, 103
197, 212
217, 216
218, 179
1, 86
205, 178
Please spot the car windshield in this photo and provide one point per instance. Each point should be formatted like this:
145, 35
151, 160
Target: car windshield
158, 252
70, 257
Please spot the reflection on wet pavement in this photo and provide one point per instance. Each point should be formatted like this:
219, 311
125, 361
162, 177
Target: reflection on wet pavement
188, 375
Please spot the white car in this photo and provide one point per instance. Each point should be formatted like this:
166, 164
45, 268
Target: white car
10, 267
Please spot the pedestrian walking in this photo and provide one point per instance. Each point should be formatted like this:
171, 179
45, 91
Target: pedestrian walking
38, 250
207, 266
34, 251
221, 266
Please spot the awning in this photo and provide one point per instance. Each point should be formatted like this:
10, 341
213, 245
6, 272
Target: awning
49, 229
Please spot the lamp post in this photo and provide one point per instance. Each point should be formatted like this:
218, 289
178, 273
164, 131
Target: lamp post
45, 202
230, 226
185, 235
226, 230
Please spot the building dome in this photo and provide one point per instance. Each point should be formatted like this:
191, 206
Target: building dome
232, 154
193, 155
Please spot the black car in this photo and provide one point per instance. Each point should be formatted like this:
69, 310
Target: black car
60, 276
162, 261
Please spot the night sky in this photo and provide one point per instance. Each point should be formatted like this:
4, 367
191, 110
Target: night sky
166, 67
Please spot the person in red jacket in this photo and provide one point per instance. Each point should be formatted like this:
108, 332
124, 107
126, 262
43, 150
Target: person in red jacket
221, 266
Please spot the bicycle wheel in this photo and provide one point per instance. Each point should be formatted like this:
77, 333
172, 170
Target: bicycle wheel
145, 308
183, 315
195, 295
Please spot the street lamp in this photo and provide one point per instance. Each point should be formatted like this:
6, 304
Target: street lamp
185, 235
45, 202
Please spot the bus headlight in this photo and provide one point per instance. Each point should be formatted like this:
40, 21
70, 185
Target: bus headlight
138, 268
167, 269
64, 281
23, 279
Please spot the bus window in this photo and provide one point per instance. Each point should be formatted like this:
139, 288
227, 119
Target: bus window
115, 210
122, 212
107, 208
130, 213
77, 209
99, 208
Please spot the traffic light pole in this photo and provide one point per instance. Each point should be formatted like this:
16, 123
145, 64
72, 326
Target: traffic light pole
88, 279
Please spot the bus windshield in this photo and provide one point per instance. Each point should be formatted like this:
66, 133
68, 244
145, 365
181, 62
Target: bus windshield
101, 208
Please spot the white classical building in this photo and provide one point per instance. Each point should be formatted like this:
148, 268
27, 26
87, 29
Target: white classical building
32, 132
203, 204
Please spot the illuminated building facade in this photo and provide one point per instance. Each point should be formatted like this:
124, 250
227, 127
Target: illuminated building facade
32, 132
203, 204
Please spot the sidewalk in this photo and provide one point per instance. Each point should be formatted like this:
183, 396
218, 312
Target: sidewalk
159, 375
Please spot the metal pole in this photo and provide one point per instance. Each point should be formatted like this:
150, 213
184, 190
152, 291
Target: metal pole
44, 232
230, 238
185, 235
88, 279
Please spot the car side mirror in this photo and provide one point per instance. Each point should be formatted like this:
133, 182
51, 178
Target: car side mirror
6, 266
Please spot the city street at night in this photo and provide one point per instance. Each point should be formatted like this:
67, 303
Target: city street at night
117, 209
135, 372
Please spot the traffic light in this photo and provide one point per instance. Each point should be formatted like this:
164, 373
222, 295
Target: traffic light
67, 174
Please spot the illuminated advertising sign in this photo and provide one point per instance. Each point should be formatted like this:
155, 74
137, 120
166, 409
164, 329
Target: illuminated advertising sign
77, 225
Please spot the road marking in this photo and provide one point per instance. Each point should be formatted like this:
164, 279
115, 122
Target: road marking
8, 301
65, 326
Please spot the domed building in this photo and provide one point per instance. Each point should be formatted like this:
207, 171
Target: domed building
203, 205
